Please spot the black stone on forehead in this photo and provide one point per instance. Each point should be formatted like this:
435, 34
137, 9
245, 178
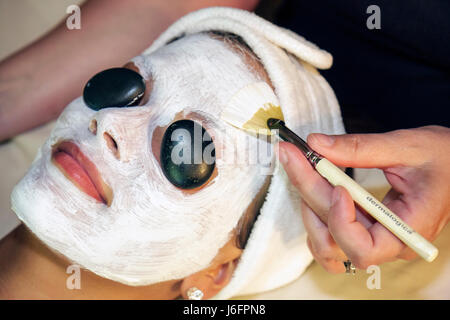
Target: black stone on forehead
114, 88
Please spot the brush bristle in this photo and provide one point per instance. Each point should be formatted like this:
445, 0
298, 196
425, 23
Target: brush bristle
251, 107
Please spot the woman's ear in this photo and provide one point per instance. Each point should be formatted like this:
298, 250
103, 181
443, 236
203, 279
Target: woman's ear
210, 281
214, 278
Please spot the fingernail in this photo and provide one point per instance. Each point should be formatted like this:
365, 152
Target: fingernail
282, 156
335, 196
323, 139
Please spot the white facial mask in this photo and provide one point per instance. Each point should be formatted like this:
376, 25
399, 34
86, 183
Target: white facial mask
152, 231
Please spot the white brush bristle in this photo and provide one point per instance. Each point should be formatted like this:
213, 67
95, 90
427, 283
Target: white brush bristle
251, 107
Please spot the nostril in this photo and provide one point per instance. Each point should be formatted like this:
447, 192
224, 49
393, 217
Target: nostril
112, 144
93, 126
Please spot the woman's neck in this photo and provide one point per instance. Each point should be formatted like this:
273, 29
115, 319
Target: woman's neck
29, 270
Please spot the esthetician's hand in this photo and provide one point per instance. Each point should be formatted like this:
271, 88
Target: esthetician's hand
416, 162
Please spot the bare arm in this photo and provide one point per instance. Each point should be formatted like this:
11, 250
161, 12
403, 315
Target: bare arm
37, 82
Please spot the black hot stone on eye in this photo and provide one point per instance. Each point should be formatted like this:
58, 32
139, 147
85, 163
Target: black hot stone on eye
113, 88
187, 154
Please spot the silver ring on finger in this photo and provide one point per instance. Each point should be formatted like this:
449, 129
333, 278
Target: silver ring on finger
349, 267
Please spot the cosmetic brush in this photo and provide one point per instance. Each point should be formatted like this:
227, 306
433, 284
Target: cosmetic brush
256, 108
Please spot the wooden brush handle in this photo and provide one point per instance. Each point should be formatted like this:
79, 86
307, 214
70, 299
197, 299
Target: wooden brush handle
378, 210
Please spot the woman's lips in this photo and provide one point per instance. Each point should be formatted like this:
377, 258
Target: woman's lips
81, 171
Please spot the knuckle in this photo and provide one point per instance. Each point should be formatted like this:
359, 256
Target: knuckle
403, 133
407, 137
434, 129
296, 181
354, 143
331, 268
417, 137
325, 251
333, 221
431, 127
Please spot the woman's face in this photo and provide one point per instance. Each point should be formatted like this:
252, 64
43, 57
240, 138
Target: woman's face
98, 193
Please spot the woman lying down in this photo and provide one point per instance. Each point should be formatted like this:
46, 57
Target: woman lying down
107, 196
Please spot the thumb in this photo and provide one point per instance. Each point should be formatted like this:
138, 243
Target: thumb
367, 150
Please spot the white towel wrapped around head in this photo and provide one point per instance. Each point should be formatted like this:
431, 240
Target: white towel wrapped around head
276, 252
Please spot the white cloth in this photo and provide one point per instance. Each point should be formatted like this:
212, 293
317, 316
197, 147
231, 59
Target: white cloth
276, 252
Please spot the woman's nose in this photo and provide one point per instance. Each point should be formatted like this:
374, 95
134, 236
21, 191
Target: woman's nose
114, 88
109, 139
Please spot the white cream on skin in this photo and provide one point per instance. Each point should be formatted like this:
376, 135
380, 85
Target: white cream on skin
152, 231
